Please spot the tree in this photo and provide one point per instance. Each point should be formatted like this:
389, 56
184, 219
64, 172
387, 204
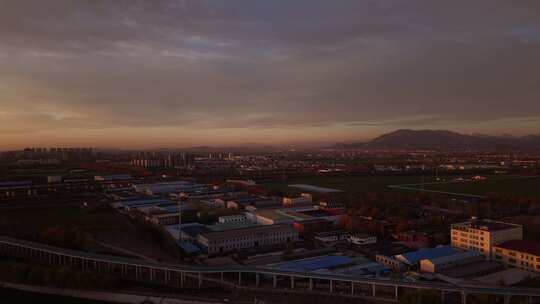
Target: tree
422, 297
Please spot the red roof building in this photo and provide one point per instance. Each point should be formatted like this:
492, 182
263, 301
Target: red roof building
520, 254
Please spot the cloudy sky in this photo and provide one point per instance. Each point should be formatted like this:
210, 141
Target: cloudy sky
179, 73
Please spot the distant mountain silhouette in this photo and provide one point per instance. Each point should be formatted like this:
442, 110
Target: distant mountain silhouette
445, 141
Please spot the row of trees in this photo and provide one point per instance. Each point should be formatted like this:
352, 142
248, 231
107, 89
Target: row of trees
434, 297
62, 277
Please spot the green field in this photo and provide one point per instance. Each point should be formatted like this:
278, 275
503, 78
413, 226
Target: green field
352, 184
527, 187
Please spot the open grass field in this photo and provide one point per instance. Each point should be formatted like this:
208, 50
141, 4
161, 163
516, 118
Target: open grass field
352, 184
519, 186
512, 185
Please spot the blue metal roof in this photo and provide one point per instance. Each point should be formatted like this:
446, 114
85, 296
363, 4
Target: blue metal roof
313, 264
189, 247
143, 202
414, 257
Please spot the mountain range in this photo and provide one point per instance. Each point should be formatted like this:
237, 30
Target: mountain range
441, 140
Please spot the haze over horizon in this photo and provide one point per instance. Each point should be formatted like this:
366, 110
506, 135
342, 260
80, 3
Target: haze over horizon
147, 74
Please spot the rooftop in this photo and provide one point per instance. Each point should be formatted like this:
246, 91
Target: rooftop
456, 257
471, 270
414, 257
272, 214
487, 225
317, 263
529, 247
246, 231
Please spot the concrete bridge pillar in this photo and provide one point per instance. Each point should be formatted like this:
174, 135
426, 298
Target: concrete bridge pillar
239, 279
443, 296
331, 286
292, 282
352, 288
200, 279
310, 283
257, 279
275, 281
463, 297
373, 291
507, 299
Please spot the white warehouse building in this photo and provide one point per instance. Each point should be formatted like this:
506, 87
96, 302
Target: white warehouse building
246, 238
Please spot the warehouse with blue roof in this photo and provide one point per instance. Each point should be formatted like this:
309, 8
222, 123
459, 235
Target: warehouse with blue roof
413, 258
316, 264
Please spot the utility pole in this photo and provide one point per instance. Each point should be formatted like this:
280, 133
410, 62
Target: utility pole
183, 197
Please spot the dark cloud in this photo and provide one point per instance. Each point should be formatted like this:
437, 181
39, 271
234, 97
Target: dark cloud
267, 64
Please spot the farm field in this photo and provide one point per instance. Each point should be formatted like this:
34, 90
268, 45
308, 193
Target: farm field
512, 185
524, 186
351, 184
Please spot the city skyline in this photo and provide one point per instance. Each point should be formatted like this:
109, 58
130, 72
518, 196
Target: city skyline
141, 74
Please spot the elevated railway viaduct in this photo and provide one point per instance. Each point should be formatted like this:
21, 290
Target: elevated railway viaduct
250, 278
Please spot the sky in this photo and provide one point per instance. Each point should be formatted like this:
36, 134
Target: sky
143, 74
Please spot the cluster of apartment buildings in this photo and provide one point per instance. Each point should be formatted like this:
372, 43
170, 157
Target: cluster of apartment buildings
59, 183
155, 160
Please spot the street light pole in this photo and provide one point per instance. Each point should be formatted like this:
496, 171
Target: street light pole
183, 197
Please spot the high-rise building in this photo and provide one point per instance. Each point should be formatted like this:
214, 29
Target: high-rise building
163, 160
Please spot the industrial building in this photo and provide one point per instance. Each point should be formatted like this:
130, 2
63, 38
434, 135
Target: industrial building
412, 259
247, 238
305, 199
291, 215
333, 236
362, 239
309, 227
237, 218
317, 264
161, 215
438, 264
